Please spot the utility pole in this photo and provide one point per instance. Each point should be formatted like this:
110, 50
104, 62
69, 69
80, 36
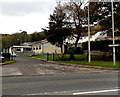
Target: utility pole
114, 56
89, 53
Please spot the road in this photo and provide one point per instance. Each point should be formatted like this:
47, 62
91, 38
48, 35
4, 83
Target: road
29, 66
68, 84
35, 77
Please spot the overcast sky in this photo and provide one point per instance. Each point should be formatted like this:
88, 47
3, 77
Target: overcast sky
26, 15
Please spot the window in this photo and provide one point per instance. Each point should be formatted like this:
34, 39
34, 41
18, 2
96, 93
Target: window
36, 48
45, 45
33, 48
40, 47
18, 49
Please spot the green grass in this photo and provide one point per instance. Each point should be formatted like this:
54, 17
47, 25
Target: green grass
25, 55
95, 63
12, 61
57, 56
50, 56
79, 59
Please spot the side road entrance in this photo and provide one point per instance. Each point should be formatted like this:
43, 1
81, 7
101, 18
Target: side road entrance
30, 66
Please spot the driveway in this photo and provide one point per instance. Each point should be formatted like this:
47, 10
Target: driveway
30, 66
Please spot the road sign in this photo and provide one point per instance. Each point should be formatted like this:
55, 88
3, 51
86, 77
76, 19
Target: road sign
115, 45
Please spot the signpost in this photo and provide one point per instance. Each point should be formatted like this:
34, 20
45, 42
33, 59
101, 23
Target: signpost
115, 45
114, 57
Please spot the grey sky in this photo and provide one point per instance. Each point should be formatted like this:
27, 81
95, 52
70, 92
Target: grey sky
28, 15
21, 8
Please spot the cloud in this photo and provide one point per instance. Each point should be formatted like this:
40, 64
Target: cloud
28, 16
23, 8
30, 23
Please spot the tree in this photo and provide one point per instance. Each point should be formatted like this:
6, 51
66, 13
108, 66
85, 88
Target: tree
6, 41
59, 28
78, 18
37, 36
101, 13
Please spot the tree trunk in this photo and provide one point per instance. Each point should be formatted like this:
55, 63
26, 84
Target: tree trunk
77, 39
72, 53
62, 51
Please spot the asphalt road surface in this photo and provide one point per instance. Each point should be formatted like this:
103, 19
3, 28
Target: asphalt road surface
35, 77
29, 66
68, 84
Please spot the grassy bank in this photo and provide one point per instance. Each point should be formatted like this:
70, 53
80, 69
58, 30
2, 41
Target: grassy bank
8, 62
94, 63
12, 61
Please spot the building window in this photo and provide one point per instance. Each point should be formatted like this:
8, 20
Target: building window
18, 49
40, 47
36, 48
33, 48
45, 45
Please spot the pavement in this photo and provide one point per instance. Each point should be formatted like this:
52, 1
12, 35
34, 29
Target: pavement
34, 66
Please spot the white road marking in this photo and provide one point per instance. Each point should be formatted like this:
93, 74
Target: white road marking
91, 92
73, 92
54, 93
10, 71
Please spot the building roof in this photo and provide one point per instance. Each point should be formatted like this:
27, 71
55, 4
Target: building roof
98, 35
19, 46
39, 42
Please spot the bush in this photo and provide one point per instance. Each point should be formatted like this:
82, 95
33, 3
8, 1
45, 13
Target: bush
77, 51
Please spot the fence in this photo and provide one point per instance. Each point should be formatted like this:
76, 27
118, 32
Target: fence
47, 56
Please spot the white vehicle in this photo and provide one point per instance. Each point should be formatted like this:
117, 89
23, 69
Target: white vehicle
13, 54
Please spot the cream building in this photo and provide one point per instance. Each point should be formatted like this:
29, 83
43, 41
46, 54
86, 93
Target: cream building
44, 47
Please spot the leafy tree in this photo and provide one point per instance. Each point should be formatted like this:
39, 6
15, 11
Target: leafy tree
78, 18
101, 12
59, 28
6, 41
37, 36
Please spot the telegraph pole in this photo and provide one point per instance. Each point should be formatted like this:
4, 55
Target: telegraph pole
114, 56
89, 53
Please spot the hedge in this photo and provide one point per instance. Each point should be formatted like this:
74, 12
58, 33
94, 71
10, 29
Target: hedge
102, 46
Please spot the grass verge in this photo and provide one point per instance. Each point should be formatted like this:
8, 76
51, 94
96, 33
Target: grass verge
94, 63
80, 59
8, 62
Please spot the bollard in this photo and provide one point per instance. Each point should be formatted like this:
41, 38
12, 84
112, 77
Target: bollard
47, 56
12, 56
53, 56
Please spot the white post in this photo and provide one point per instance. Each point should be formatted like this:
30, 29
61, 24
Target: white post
114, 56
89, 54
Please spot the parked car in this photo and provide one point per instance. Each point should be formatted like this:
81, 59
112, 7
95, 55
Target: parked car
1, 59
13, 54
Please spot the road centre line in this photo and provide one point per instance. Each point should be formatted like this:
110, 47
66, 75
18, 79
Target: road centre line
91, 92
